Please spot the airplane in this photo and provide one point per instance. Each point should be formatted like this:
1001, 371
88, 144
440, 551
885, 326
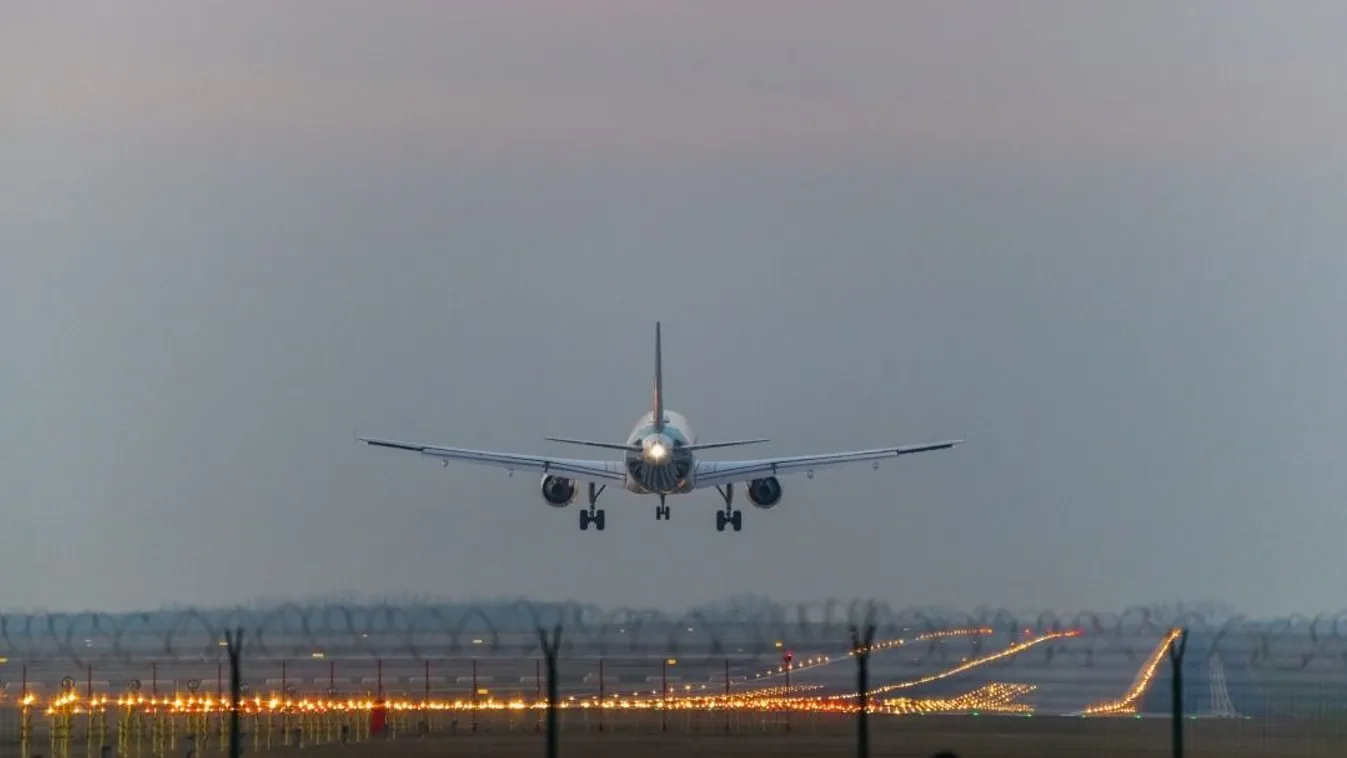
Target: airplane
659, 458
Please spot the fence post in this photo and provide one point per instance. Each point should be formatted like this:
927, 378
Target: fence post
728, 704
1176, 650
550, 648
425, 701
538, 696
860, 647
234, 647
601, 694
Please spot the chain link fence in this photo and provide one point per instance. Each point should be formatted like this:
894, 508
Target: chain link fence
865, 674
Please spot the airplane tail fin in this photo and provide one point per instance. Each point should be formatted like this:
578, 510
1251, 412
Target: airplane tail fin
659, 385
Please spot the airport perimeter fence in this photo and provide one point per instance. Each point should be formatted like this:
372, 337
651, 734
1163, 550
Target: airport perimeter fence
845, 676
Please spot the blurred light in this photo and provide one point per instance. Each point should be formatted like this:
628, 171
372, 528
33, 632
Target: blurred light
1128, 703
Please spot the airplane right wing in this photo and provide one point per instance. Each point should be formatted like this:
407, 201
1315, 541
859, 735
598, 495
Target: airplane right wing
715, 473
570, 468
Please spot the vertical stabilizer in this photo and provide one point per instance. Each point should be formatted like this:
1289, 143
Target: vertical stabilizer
659, 385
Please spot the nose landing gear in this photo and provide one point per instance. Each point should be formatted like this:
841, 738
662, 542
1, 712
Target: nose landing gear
661, 510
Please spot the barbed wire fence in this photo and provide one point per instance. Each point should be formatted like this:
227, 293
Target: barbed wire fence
303, 674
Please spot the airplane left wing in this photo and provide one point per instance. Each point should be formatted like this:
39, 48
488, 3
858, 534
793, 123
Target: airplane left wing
715, 473
571, 468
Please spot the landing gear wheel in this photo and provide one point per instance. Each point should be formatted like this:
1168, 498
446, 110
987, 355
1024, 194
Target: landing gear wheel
591, 517
661, 513
729, 518
729, 515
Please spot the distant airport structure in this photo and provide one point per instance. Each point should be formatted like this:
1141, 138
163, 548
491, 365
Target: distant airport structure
659, 458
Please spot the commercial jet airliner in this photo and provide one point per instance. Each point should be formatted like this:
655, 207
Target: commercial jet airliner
659, 458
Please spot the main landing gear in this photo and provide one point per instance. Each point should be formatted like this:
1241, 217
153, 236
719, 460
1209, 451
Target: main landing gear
729, 515
593, 515
661, 510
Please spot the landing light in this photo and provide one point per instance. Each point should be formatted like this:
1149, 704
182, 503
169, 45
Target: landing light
657, 451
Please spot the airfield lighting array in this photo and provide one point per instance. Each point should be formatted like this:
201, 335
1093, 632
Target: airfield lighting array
1015, 648
992, 698
1128, 703
998, 697
823, 660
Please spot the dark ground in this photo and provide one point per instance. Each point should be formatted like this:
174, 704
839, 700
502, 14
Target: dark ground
704, 735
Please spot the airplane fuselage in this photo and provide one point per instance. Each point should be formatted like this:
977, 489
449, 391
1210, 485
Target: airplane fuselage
662, 467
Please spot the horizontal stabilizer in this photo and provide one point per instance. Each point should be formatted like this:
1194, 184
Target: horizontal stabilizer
710, 445
605, 445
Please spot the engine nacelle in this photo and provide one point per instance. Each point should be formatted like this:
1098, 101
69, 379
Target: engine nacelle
764, 493
558, 491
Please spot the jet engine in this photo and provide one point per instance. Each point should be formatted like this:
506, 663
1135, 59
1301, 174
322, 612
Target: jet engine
559, 492
764, 493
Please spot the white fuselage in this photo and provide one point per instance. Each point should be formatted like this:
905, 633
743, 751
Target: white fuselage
662, 467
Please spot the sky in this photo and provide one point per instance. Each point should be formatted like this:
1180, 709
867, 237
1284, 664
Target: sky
1102, 242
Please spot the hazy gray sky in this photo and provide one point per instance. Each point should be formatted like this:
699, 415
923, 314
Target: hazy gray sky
1101, 241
